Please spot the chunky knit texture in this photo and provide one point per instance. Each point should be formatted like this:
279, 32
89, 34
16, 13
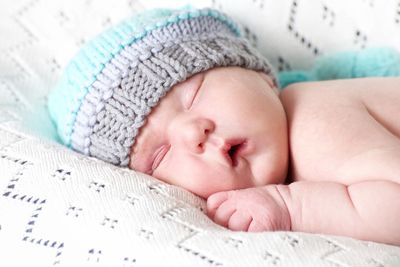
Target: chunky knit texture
110, 87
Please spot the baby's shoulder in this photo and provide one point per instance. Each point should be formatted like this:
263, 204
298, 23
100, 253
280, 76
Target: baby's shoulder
360, 93
313, 102
345, 121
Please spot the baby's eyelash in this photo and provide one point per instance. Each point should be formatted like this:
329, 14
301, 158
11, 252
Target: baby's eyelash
190, 96
193, 98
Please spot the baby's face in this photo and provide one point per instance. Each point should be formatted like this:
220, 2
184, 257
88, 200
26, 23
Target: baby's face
220, 130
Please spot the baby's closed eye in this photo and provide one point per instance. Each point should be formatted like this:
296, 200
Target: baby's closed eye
191, 90
158, 156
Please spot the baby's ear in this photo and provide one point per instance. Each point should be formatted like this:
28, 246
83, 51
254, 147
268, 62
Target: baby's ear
270, 82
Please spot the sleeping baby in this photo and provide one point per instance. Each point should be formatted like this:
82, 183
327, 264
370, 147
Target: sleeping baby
182, 96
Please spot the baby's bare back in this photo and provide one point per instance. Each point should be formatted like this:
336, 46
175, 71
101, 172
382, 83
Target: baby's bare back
344, 131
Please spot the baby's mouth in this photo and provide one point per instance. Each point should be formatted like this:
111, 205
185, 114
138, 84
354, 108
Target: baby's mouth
232, 150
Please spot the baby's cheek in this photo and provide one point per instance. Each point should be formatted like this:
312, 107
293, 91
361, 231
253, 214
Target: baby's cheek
198, 175
201, 184
184, 175
206, 183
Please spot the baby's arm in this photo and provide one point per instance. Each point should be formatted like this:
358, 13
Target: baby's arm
367, 210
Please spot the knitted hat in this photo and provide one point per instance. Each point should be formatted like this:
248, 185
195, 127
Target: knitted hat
110, 87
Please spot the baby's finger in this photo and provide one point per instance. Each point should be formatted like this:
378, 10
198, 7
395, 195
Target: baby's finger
223, 213
214, 201
239, 221
256, 227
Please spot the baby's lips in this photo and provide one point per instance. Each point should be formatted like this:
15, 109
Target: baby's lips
232, 148
227, 157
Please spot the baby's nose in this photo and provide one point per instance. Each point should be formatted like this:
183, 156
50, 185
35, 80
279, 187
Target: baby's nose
195, 133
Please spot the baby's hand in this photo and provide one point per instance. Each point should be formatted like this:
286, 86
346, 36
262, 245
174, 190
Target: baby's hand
252, 209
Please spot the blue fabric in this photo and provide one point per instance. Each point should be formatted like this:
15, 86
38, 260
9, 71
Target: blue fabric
370, 62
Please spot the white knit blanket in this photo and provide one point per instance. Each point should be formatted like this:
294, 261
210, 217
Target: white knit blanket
60, 208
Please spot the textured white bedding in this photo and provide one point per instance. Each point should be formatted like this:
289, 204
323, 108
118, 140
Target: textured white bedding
60, 208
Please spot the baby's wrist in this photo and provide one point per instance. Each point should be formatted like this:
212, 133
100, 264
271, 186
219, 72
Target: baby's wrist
282, 199
285, 195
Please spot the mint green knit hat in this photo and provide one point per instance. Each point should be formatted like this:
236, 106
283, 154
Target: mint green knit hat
110, 87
